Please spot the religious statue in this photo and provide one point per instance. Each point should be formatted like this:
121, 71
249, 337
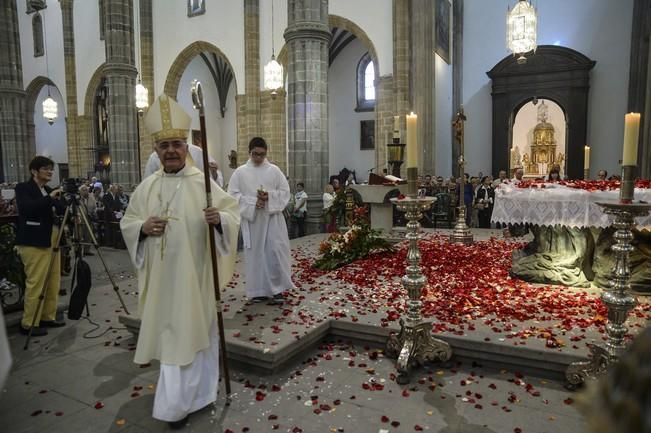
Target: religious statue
458, 124
560, 160
232, 159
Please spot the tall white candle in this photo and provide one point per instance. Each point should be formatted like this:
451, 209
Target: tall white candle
396, 127
412, 140
631, 135
586, 158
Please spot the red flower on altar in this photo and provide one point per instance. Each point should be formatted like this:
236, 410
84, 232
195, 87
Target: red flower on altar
588, 185
360, 212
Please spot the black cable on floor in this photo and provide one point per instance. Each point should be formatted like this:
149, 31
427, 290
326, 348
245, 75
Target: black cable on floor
97, 326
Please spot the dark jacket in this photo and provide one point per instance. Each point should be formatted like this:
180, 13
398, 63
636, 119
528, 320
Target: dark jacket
35, 214
111, 204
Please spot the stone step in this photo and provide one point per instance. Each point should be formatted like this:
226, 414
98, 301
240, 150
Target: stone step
272, 359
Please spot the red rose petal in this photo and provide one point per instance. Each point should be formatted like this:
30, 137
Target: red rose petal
99, 405
384, 418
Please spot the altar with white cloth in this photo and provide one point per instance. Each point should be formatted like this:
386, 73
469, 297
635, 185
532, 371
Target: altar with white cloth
572, 234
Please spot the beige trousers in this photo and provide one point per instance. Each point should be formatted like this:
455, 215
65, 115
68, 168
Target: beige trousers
37, 260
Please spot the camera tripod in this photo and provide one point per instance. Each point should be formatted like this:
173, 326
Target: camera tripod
76, 214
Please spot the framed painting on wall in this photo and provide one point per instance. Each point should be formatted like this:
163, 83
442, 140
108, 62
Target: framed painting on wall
367, 136
442, 29
196, 7
196, 137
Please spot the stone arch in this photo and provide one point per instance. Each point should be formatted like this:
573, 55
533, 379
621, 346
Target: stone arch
183, 60
91, 89
554, 72
346, 24
31, 94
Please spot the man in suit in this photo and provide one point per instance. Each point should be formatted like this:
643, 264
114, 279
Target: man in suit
112, 205
89, 205
39, 209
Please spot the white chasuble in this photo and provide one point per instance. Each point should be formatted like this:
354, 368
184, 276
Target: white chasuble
264, 231
177, 300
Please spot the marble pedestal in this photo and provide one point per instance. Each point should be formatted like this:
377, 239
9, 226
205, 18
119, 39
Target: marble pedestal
381, 207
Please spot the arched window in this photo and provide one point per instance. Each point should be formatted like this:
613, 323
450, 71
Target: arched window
37, 33
365, 84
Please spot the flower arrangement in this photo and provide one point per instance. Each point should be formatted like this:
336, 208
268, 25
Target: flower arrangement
357, 242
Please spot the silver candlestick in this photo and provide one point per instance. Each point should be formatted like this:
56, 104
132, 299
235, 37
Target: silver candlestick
415, 343
617, 297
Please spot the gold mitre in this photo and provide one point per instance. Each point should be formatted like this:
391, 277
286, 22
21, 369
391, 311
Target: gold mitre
166, 120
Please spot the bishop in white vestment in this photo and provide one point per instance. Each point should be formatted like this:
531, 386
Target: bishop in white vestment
262, 192
165, 229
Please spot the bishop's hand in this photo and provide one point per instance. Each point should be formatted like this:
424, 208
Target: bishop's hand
211, 215
154, 226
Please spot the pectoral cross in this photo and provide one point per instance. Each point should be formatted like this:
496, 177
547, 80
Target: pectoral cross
167, 217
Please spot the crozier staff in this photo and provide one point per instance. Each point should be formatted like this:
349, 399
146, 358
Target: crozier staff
165, 229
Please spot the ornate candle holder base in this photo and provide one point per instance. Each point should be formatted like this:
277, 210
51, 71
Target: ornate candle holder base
415, 343
617, 297
461, 233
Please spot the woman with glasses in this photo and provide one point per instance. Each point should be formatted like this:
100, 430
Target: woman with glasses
39, 209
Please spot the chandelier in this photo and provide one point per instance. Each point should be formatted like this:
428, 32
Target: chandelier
142, 97
50, 110
521, 29
142, 94
273, 72
50, 107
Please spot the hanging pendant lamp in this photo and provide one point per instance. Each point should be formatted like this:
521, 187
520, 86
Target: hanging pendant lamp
521, 29
50, 108
273, 71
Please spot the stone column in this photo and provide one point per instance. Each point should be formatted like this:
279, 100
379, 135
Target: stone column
80, 159
120, 72
384, 113
644, 153
422, 80
457, 76
639, 87
249, 110
15, 152
308, 37
401, 70
146, 74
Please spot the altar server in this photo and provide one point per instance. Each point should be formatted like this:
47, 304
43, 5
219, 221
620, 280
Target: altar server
262, 191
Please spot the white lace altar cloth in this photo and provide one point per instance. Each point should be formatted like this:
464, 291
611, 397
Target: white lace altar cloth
559, 205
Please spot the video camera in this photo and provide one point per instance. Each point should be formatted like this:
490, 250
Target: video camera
71, 185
